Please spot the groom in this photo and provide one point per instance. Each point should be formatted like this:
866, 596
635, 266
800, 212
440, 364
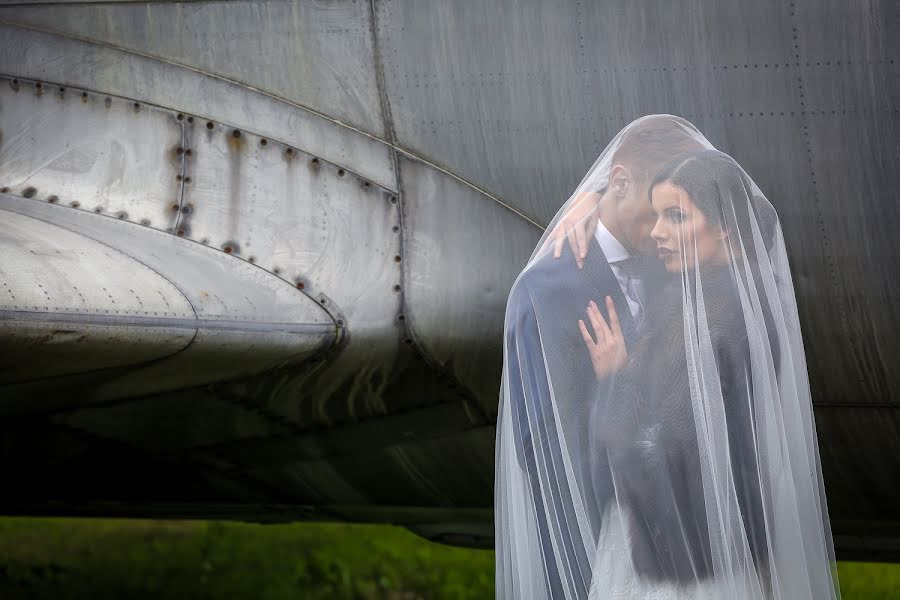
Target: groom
600, 248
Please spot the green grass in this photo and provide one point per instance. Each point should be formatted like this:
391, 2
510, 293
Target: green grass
99, 559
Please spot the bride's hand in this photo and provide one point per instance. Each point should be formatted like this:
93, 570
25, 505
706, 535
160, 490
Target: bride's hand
608, 353
577, 226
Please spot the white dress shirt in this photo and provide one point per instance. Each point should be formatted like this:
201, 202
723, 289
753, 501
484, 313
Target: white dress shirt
616, 254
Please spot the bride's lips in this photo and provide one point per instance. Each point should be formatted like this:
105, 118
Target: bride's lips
664, 253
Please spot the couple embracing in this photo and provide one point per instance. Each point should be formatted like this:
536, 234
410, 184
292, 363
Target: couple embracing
656, 437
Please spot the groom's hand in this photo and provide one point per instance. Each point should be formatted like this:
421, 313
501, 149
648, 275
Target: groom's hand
576, 226
608, 353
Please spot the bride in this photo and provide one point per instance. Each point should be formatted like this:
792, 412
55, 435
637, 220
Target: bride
690, 468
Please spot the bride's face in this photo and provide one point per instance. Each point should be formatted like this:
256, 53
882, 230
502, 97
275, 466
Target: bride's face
684, 236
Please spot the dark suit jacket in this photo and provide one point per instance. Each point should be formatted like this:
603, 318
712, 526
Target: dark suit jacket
542, 337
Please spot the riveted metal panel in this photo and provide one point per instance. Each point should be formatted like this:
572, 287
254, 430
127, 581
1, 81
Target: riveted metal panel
455, 311
34, 54
224, 292
318, 226
55, 282
72, 147
526, 122
324, 49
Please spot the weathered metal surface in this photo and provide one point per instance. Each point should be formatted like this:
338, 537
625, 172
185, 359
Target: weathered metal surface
452, 308
241, 319
517, 99
316, 54
72, 147
315, 224
29, 53
54, 281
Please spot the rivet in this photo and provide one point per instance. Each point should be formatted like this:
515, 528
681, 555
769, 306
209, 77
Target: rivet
29, 192
75, 204
62, 90
187, 179
315, 162
395, 228
289, 151
179, 116
122, 214
179, 150
340, 172
408, 341
98, 209
4, 190
190, 119
276, 270
321, 300
107, 102
228, 249
397, 258
300, 285
393, 199
236, 133
397, 288
366, 184
252, 259
340, 322
53, 199
145, 222
180, 233
175, 207
14, 84
136, 106
188, 152
401, 317
263, 142
204, 241
178, 177
209, 125
185, 209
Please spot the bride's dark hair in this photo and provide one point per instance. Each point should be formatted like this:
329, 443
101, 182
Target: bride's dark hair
717, 185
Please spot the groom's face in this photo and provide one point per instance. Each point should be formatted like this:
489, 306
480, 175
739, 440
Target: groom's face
637, 216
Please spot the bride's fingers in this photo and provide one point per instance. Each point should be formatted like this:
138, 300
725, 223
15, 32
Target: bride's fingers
588, 340
603, 333
615, 327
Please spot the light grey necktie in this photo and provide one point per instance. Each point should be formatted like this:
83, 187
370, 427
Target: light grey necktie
635, 271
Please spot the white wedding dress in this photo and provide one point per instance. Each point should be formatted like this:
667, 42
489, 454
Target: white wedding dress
614, 577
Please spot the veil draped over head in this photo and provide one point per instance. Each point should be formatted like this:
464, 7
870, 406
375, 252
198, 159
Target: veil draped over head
665, 446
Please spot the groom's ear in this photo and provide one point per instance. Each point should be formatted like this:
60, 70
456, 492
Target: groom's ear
619, 180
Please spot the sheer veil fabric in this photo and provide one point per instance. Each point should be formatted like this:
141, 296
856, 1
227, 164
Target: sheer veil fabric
656, 435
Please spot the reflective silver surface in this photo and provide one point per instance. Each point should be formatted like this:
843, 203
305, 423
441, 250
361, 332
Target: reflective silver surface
477, 121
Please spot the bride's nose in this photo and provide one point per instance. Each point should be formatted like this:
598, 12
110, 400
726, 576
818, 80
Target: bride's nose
657, 233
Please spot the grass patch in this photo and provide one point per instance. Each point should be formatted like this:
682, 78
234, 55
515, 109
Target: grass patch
111, 558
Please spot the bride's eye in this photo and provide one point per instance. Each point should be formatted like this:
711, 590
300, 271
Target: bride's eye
676, 215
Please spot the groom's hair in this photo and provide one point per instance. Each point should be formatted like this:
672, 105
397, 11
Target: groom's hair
653, 141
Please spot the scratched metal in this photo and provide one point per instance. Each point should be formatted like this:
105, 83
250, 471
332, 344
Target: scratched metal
28, 53
315, 224
54, 281
518, 99
452, 308
243, 319
316, 54
107, 155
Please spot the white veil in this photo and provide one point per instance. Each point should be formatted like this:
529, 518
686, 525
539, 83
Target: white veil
686, 464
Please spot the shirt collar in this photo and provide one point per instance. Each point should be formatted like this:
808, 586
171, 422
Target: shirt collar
612, 248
